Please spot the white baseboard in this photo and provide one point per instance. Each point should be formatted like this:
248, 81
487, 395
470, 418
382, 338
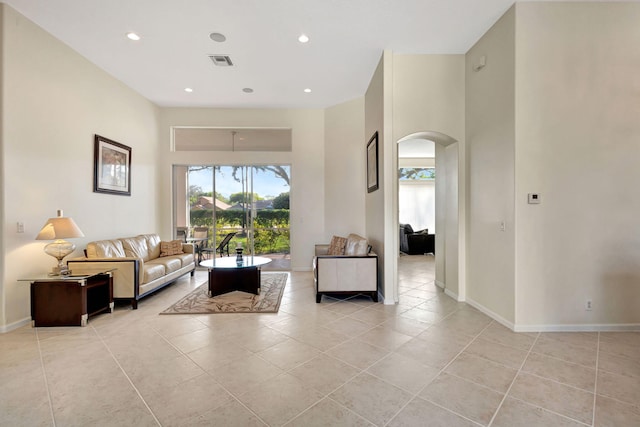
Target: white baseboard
452, 294
495, 316
15, 325
440, 284
603, 327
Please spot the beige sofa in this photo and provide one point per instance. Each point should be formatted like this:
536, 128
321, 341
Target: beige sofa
139, 267
346, 265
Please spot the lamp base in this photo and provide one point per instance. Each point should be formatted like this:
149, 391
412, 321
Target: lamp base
59, 249
60, 271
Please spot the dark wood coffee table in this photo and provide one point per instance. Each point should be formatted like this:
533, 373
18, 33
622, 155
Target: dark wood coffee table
226, 274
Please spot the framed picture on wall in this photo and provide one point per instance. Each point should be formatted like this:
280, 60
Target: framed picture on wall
372, 163
111, 167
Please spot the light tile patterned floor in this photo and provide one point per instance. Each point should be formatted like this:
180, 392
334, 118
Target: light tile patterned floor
428, 361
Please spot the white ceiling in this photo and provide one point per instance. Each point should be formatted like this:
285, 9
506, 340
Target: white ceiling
347, 40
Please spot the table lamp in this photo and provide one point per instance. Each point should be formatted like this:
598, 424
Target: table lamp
57, 229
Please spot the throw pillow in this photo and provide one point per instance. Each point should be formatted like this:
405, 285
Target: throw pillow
356, 245
336, 247
173, 247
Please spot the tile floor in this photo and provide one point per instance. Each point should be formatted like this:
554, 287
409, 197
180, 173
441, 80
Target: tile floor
428, 361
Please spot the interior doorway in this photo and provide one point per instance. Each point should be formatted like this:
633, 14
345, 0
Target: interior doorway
417, 177
448, 230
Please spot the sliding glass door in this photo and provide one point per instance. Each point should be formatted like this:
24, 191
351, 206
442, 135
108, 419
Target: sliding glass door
245, 205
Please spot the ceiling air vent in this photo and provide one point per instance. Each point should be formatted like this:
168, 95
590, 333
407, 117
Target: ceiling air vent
221, 60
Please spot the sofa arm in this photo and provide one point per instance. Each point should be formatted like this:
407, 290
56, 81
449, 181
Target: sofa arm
126, 275
322, 249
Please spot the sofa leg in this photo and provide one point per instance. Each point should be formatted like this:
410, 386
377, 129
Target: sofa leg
374, 296
134, 304
318, 298
193, 272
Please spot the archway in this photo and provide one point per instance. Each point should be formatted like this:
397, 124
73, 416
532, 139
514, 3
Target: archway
449, 224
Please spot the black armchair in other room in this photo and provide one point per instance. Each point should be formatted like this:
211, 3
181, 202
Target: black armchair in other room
417, 242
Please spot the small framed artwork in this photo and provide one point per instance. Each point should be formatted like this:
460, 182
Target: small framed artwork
372, 163
111, 167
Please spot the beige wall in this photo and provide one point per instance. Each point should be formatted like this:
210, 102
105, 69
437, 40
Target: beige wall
490, 150
555, 112
429, 96
307, 171
344, 170
578, 144
53, 102
374, 121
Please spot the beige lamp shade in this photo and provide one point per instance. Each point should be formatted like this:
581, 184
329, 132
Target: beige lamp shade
57, 229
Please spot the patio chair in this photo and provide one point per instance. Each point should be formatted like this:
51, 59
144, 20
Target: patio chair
181, 233
200, 240
224, 245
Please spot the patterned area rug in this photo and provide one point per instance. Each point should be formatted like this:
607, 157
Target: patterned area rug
198, 302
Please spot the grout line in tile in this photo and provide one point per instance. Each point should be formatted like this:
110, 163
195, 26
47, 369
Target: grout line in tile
506, 394
115, 359
550, 411
435, 404
562, 360
556, 381
416, 395
46, 382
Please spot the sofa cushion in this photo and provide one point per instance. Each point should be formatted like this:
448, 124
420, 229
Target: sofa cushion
336, 246
185, 258
153, 245
173, 247
356, 245
170, 264
152, 271
136, 247
105, 249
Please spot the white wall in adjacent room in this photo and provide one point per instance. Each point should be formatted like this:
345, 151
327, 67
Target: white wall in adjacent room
416, 205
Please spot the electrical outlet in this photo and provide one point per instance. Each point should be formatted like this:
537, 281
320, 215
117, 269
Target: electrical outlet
588, 305
20, 227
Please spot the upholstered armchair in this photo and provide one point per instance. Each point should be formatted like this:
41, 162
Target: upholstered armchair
416, 242
346, 265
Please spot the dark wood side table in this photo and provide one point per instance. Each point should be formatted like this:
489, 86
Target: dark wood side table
70, 300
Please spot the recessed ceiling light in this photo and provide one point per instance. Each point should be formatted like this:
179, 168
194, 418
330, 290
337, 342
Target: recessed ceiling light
188, 89
217, 37
247, 90
303, 38
133, 36
307, 90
